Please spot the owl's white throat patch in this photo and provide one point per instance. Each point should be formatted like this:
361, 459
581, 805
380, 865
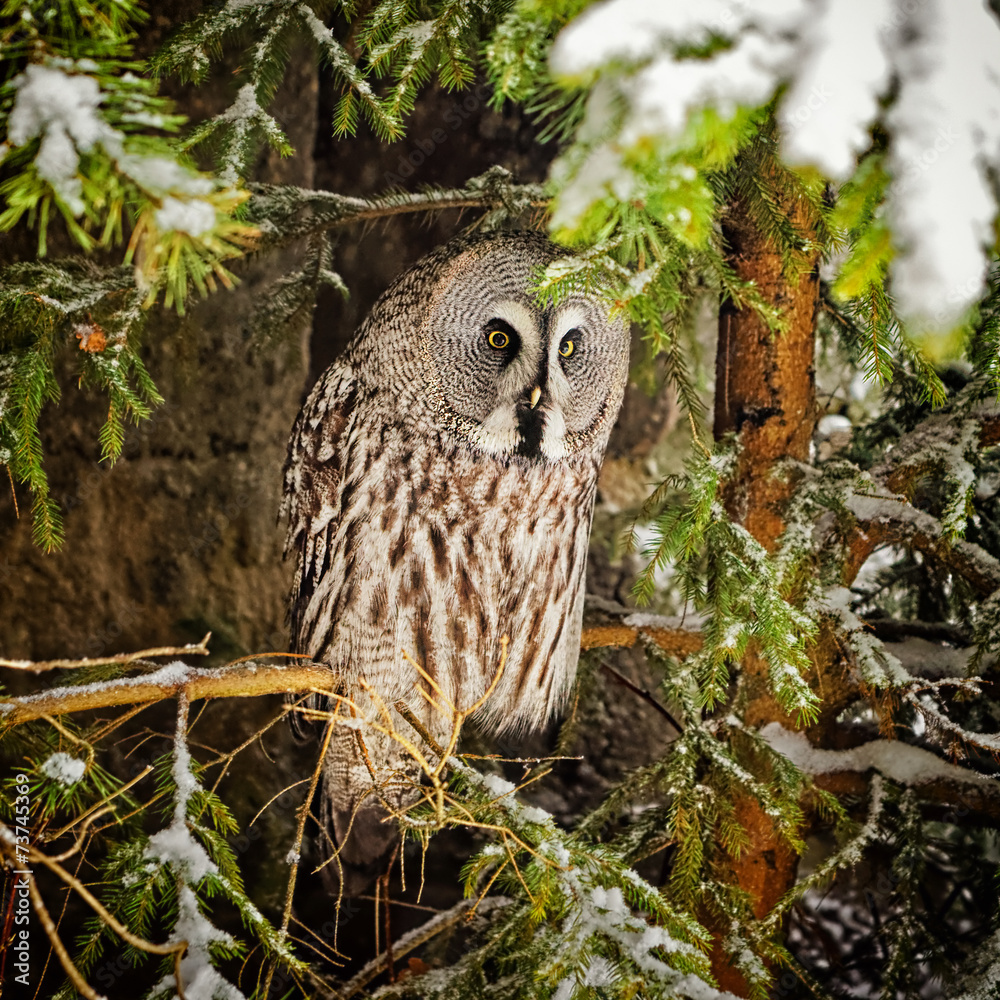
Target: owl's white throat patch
553, 444
498, 434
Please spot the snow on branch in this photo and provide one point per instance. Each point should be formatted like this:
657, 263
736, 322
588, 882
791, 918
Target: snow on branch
39, 666
941, 443
611, 625
887, 519
250, 679
898, 761
944, 444
924, 71
247, 680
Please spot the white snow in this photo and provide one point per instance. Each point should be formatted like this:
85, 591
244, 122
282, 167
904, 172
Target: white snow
535, 815
833, 423
176, 845
244, 107
933, 660
839, 59
498, 786
159, 175
876, 664
61, 108
63, 768
829, 98
901, 762
946, 125
200, 979
195, 217
595, 911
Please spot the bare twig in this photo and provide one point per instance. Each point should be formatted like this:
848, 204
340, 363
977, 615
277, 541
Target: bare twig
89, 815
421, 729
40, 666
642, 693
73, 973
324, 210
297, 849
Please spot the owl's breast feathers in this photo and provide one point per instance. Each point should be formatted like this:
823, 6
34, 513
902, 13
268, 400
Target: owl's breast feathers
416, 543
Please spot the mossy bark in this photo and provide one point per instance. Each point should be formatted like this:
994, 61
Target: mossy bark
765, 395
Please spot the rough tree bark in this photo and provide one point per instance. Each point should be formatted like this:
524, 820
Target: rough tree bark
179, 536
765, 395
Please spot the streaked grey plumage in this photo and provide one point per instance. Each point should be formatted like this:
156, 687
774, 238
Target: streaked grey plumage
434, 510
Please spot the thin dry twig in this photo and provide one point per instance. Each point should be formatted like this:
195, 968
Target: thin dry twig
414, 939
297, 848
642, 693
40, 666
88, 816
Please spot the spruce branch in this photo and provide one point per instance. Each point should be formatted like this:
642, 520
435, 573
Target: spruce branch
888, 519
419, 936
285, 213
245, 679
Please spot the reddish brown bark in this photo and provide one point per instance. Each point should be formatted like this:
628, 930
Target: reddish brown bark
765, 394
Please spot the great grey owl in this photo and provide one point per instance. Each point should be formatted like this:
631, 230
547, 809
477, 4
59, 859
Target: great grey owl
440, 488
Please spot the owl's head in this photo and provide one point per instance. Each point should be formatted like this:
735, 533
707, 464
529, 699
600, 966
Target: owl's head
510, 376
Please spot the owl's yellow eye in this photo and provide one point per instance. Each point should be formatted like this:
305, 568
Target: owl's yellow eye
498, 339
566, 348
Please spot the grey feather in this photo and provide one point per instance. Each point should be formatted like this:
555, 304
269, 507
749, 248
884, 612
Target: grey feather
433, 510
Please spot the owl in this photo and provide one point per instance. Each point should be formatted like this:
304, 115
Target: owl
440, 489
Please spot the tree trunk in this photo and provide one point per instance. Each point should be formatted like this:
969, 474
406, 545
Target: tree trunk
765, 394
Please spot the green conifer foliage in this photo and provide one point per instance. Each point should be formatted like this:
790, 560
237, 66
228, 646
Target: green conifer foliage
875, 614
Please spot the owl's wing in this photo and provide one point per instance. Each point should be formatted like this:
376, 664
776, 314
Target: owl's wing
313, 476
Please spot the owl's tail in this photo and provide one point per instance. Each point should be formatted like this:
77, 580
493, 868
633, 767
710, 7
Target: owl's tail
359, 831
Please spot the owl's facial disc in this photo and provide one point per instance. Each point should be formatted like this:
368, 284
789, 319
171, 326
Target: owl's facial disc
517, 378
549, 391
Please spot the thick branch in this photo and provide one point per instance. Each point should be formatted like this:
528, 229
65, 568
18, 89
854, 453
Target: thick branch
898, 761
607, 625
611, 626
927, 448
957, 792
888, 519
248, 680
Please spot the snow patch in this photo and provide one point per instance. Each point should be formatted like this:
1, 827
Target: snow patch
498, 786
944, 123
60, 108
63, 768
900, 762
195, 217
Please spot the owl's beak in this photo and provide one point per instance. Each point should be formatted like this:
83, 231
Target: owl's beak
536, 395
